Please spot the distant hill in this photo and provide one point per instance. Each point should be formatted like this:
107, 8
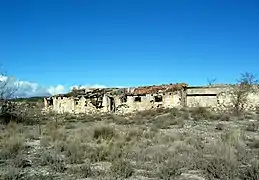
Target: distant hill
29, 99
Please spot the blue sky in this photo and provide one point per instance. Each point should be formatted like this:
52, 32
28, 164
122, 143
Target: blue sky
129, 42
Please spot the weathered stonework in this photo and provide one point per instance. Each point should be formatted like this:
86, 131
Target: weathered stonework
127, 100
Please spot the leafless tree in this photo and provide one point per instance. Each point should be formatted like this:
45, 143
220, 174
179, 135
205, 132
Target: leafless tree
7, 92
240, 91
7, 89
211, 81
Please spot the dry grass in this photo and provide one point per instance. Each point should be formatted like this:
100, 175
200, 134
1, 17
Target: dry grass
252, 126
13, 141
53, 160
82, 171
12, 173
121, 169
74, 151
160, 144
104, 132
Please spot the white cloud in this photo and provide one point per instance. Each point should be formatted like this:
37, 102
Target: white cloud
59, 89
94, 86
3, 78
31, 89
88, 86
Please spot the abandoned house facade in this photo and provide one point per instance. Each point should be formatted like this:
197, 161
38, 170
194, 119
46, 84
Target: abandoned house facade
127, 100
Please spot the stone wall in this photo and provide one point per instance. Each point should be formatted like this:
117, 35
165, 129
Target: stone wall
75, 105
132, 103
215, 97
206, 89
202, 101
220, 98
225, 100
146, 102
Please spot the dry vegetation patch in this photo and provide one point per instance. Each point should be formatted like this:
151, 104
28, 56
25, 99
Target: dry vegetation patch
159, 144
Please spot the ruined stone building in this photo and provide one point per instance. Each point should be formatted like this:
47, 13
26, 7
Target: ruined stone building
126, 100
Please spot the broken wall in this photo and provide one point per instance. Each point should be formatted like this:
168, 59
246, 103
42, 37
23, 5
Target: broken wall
203, 96
148, 101
225, 100
63, 104
220, 98
202, 101
75, 105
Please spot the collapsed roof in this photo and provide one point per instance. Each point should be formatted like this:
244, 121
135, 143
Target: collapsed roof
162, 88
94, 92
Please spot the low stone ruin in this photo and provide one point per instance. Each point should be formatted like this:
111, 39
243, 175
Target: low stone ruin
127, 100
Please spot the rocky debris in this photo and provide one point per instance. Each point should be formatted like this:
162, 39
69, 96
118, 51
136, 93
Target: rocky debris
122, 109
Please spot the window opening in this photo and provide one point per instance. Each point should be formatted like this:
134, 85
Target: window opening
137, 99
158, 99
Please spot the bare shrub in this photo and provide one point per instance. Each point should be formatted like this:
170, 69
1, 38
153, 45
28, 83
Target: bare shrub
251, 172
83, 171
221, 168
240, 91
185, 115
164, 121
28, 113
161, 123
107, 151
174, 112
221, 161
257, 110
12, 173
122, 120
252, 126
55, 132
224, 117
220, 126
32, 134
211, 82
45, 141
70, 126
12, 146
146, 114
7, 111
169, 169
13, 128
104, 132
133, 134
7, 91
121, 169
150, 134
49, 176
53, 160
200, 113
70, 117
233, 137
20, 161
74, 151
99, 153
254, 143
13, 110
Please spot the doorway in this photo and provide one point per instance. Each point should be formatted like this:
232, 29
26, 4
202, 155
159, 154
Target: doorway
112, 104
